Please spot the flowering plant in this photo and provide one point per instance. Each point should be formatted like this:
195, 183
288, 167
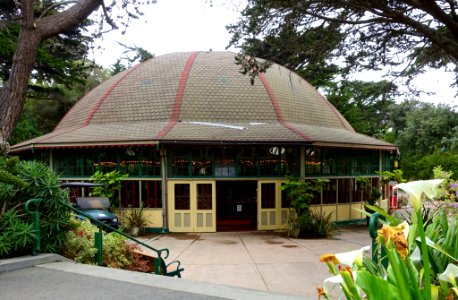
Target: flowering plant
421, 259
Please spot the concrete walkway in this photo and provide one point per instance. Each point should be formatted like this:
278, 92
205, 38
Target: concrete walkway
231, 265
259, 260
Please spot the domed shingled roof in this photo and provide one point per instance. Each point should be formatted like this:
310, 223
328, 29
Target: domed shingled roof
202, 96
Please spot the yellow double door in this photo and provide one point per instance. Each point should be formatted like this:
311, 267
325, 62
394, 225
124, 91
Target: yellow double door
192, 206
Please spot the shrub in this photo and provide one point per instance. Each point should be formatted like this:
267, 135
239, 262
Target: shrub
17, 235
117, 251
303, 221
111, 184
19, 182
43, 183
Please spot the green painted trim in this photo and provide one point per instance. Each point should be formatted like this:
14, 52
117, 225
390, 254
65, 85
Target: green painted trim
156, 230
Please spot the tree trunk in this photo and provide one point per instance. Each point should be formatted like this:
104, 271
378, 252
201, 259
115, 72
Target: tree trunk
13, 95
32, 32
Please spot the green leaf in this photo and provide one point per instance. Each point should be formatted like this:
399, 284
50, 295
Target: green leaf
376, 288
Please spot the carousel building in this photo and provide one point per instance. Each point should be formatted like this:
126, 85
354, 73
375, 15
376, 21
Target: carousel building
206, 150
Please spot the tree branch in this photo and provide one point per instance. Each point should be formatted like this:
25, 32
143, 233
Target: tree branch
54, 6
107, 17
71, 17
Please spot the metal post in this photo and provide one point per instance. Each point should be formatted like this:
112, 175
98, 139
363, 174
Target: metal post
35, 216
163, 154
35, 219
373, 224
98, 241
373, 233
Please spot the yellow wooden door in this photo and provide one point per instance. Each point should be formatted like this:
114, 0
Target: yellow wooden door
192, 206
269, 205
205, 210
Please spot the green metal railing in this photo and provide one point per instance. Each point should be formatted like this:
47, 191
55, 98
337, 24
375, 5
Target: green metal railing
98, 237
374, 223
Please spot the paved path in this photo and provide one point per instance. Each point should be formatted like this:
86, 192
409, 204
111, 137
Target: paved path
259, 260
232, 265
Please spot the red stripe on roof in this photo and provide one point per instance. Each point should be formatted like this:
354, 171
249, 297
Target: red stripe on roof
277, 109
179, 97
106, 93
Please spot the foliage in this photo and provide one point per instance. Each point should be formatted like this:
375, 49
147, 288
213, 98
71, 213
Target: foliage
322, 225
132, 55
422, 166
42, 112
117, 252
43, 183
420, 257
362, 34
249, 65
137, 218
425, 127
448, 186
425, 135
80, 242
49, 34
27, 180
363, 104
16, 234
111, 184
395, 175
303, 221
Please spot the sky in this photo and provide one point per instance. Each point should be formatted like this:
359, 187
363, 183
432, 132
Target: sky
175, 26
199, 25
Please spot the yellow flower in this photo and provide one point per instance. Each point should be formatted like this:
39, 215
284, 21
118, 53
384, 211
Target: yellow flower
397, 234
346, 258
347, 270
321, 292
415, 189
327, 257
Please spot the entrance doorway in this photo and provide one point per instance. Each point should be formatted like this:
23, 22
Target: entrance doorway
236, 206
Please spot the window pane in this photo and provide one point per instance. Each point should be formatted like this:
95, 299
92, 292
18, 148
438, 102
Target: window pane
329, 192
225, 162
290, 161
182, 196
312, 162
204, 196
247, 165
129, 160
345, 188
150, 163
151, 194
108, 161
329, 162
268, 195
129, 193
285, 199
269, 161
202, 162
179, 162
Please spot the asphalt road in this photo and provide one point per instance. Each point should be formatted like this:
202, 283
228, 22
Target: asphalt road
42, 283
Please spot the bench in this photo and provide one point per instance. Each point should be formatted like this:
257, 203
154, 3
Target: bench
157, 265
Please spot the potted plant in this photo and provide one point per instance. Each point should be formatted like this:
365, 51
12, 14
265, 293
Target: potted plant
136, 220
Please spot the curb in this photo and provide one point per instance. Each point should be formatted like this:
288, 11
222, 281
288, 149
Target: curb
16, 263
